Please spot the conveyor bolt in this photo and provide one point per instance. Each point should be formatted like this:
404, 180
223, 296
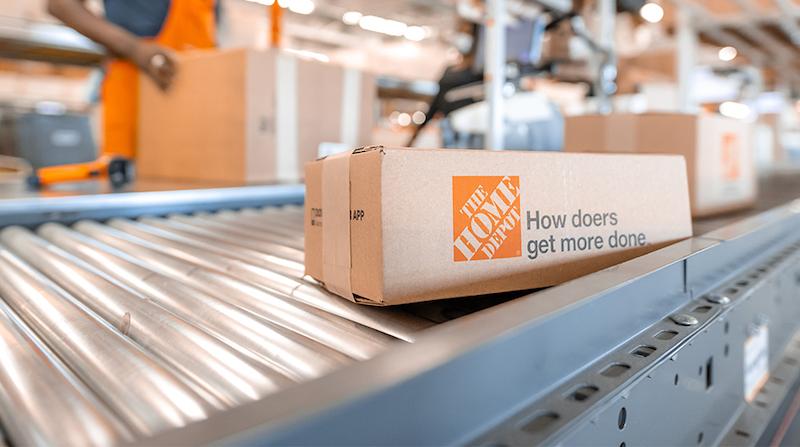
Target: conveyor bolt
718, 299
684, 320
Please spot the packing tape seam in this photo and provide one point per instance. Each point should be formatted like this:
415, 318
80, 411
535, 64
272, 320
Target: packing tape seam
336, 234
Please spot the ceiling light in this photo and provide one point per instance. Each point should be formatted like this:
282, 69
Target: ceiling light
735, 110
727, 54
301, 6
383, 26
351, 17
298, 6
415, 33
404, 119
309, 55
652, 12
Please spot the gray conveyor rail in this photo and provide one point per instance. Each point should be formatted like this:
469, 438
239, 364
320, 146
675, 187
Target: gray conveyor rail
164, 321
189, 327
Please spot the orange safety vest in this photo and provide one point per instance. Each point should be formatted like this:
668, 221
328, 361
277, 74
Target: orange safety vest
190, 24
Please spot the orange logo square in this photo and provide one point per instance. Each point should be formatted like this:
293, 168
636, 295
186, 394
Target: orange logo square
486, 218
731, 164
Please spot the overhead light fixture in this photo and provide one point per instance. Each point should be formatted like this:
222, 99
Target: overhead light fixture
727, 54
415, 33
404, 119
351, 17
652, 12
384, 26
733, 109
297, 6
301, 6
309, 55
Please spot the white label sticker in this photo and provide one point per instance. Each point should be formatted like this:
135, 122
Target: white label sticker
756, 362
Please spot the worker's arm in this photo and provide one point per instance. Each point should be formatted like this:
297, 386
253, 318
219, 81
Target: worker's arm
153, 59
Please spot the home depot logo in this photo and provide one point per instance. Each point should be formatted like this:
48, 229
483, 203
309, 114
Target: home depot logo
731, 157
486, 217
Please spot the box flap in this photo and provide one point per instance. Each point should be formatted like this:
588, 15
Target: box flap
336, 264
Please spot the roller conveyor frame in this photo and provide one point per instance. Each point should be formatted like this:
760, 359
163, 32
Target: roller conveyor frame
532, 370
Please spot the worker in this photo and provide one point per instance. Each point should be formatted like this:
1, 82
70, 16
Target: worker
139, 35
462, 74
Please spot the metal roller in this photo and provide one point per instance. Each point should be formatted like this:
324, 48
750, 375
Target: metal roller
313, 296
277, 219
242, 227
41, 402
277, 263
207, 361
136, 386
254, 219
390, 321
242, 237
329, 330
296, 356
229, 218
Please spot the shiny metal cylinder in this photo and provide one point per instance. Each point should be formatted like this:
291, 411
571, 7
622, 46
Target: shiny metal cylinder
240, 221
41, 402
180, 232
222, 372
232, 234
294, 355
389, 321
136, 386
329, 330
281, 265
270, 221
253, 257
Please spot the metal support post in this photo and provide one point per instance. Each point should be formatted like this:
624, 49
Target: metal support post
494, 72
687, 44
605, 84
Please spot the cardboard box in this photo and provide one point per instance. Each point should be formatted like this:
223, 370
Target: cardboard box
390, 226
718, 151
249, 116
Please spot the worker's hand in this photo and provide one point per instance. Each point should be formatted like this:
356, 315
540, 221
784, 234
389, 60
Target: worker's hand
158, 62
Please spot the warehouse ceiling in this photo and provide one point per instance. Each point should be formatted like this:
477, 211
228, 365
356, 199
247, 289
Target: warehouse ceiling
419, 12
765, 32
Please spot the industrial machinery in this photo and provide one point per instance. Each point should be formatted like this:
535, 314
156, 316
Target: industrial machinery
202, 292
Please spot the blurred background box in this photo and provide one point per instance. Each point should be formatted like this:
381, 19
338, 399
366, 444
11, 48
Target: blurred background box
718, 151
250, 116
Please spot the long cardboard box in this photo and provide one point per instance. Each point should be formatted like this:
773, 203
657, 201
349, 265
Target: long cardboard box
245, 115
718, 151
390, 226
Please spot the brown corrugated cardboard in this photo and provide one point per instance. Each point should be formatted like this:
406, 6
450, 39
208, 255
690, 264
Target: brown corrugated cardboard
249, 116
719, 159
390, 226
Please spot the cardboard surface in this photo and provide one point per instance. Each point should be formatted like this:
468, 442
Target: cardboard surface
431, 224
249, 116
718, 151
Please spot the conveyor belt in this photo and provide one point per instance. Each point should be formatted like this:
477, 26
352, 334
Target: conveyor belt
130, 328
165, 321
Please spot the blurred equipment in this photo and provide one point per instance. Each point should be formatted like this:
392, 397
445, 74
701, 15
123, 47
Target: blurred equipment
46, 138
118, 171
531, 122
